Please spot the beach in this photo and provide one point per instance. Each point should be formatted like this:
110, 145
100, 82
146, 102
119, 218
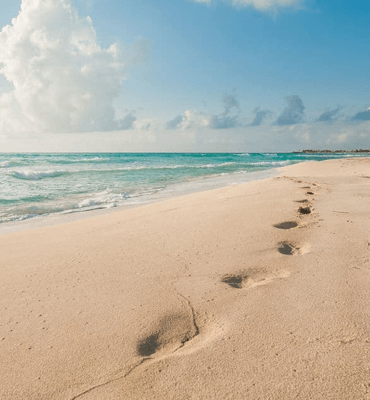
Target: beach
251, 291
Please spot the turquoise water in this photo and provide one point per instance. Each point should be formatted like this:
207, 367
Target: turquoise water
34, 185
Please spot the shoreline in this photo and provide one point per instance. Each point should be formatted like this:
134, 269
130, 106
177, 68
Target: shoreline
61, 198
258, 291
175, 190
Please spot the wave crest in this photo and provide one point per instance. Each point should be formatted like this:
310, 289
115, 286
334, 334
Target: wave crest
37, 175
5, 164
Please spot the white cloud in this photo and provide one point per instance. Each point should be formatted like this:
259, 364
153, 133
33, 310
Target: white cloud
229, 118
189, 119
145, 124
261, 5
63, 80
263, 138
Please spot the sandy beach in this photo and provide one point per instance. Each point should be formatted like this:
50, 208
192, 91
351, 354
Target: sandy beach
252, 291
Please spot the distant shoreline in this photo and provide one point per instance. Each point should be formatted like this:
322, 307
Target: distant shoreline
332, 151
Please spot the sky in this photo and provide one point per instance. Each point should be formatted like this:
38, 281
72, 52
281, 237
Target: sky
184, 75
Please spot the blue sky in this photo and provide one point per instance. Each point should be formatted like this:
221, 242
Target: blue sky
248, 75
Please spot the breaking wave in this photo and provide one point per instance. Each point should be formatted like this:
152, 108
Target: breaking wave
34, 185
37, 175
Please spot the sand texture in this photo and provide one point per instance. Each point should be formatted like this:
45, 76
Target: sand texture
253, 291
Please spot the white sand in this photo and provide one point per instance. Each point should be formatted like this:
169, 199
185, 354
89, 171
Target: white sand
203, 296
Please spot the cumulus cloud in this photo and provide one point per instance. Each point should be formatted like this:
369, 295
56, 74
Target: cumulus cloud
362, 116
223, 121
189, 119
260, 5
145, 124
128, 122
62, 79
293, 112
260, 116
329, 116
229, 118
175, 123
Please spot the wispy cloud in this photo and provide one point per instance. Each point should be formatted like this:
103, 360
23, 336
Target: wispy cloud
63, 80
230, 103
293, 112
362, 116
260, 116
260, 5
329, 116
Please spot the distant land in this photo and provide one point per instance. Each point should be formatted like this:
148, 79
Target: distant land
332, 151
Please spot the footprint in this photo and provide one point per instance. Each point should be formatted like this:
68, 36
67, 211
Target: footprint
171, 333
235, 281
286, 225
310, 193
292, 249
252, 277
304, 210
149, 345
306, 207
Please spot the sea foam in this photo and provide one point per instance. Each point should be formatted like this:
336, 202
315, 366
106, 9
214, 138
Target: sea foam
37, 175
34, 185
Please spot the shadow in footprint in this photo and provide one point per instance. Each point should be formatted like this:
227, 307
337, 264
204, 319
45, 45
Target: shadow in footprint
287, 249
304, 210
291, 249
149, 345
286, 225
169, 335
235, 281
253, 277
310, 193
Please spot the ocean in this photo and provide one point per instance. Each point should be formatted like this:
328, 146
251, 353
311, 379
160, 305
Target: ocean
38, 185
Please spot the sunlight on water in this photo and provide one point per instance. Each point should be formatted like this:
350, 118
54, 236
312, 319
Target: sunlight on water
34, 185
